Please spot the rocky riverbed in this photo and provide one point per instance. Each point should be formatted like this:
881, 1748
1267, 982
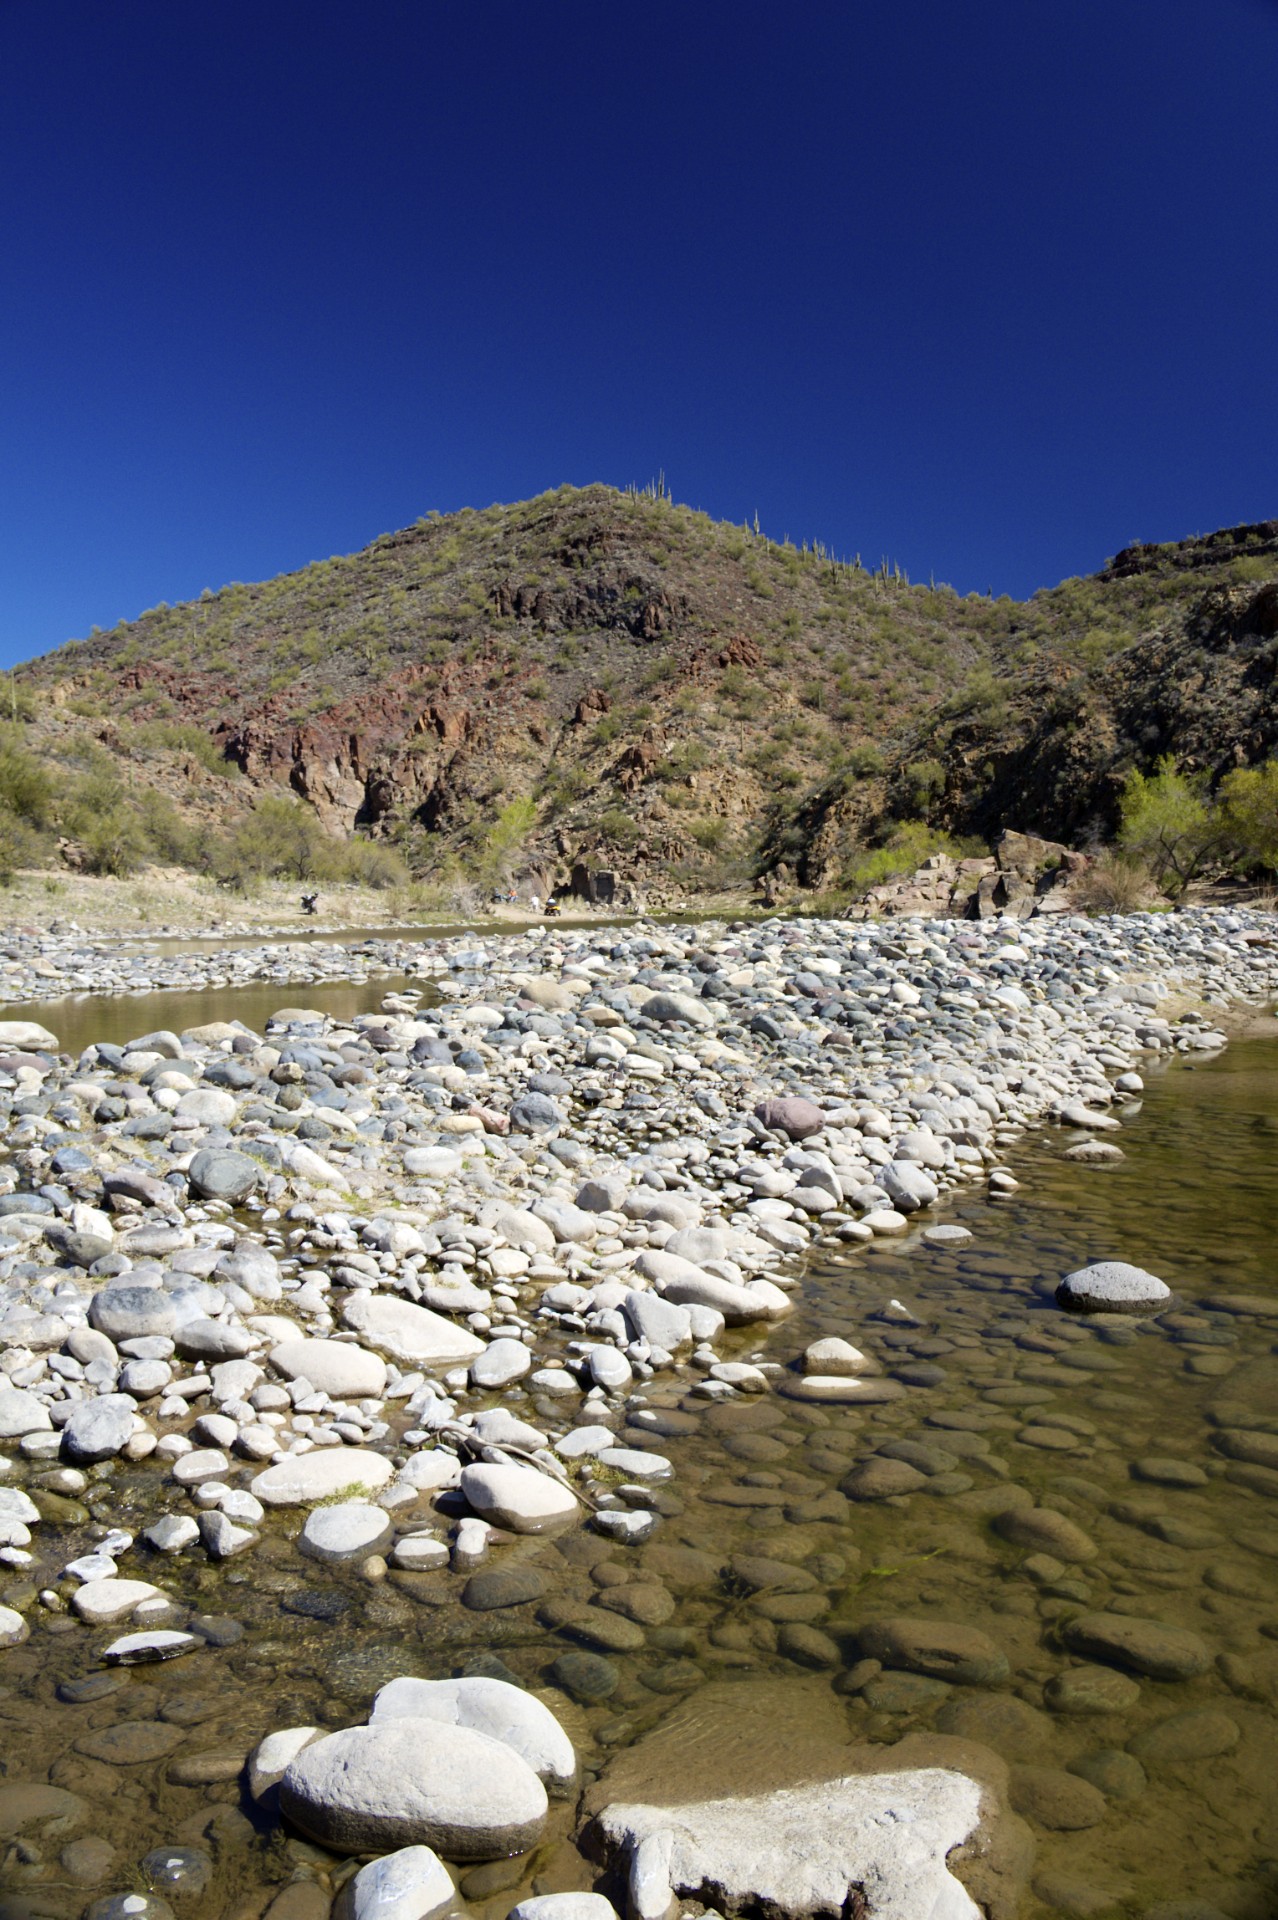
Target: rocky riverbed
457, 1312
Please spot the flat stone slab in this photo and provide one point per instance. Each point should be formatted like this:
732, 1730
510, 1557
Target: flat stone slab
410, 1333
1142, 1646
334, 1367
145, 1649
842, 1389
101, 1601
807, 1850
308, 1478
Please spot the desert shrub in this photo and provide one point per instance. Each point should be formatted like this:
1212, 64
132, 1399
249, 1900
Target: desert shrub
1115, 883
180, 736
112, 839
19, 846
710, 832
279, 839
865, 761
685, 757
511, 827
922, 784
18, 702
368, 863
619, 826
982, 697
26, 790
169, 838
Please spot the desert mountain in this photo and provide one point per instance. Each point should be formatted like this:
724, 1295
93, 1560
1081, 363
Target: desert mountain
608, 678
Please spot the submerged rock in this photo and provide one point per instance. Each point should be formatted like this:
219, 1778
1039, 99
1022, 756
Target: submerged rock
1111, 1286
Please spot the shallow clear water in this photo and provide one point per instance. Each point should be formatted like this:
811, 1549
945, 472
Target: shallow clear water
81, 1019
1115, 1425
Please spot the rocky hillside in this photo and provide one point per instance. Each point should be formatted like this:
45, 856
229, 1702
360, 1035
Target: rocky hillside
609, 679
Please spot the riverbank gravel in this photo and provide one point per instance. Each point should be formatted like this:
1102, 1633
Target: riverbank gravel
412, 1273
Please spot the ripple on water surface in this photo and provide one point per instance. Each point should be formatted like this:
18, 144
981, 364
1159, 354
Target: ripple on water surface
1067, 1551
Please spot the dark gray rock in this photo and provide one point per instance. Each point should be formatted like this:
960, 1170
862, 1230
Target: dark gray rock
132, 1313
219, 1173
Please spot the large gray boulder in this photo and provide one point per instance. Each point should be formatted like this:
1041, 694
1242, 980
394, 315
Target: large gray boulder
414, 1782
907, 1186
791, 1114
352, 1530
98, 1429
502, 1362
662, 1323
252, 1267
304, 1479
667, 1008
21, 1413
26, 1033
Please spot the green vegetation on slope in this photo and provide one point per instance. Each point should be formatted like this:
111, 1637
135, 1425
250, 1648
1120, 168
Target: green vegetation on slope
611, 677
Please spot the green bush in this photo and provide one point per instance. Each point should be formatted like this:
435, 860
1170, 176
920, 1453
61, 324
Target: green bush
710, 832
923, 783
26, 790
279, 839
180, 736
19, 846
369, 863
1249, 806
620, 827
513, 824
1167, 820
112, 839
909, 846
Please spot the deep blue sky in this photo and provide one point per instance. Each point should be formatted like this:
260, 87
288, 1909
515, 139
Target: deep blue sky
991, 289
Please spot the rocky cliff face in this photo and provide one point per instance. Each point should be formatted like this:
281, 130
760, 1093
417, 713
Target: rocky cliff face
677, 699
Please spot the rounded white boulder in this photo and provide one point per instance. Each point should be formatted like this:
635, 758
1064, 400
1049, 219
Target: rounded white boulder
1111, 1286
349, 1531
491, 1707
413, 1782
